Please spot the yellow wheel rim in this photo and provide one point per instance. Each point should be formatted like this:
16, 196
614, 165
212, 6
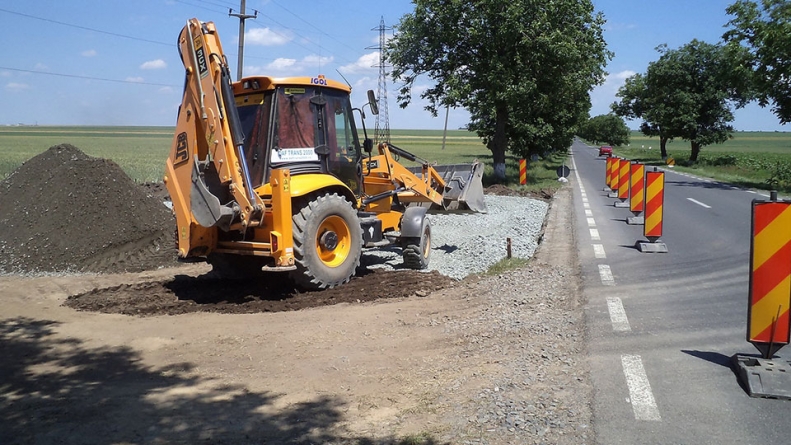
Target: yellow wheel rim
333, 241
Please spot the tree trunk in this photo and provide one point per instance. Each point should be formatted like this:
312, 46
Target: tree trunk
695, 152
499, 142
663, 146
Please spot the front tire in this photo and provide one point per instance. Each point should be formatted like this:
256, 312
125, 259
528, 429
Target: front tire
417, 251
327, 242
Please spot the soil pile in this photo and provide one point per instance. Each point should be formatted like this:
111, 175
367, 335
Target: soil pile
64, 211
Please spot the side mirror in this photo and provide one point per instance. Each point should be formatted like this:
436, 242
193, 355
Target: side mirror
368, 145
373, 102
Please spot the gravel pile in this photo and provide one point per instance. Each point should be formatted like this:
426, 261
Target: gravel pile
461, 243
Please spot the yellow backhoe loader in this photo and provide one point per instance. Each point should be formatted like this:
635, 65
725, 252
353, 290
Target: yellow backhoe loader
268, 175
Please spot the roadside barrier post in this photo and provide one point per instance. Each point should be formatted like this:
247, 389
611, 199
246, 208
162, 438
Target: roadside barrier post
623, 184
615, 168
523, 171
654, 202
769, 300
636, 193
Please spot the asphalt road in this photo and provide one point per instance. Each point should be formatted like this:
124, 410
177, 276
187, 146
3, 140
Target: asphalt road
663, 326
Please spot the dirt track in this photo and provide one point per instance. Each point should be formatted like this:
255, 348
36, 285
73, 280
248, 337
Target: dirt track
171, 356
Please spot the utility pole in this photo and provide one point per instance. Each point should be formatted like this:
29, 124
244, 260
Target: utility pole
242, 17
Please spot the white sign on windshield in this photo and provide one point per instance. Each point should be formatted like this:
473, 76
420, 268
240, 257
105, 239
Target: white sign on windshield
294, 155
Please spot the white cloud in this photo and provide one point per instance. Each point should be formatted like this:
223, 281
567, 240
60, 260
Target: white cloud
290, 67
16, 87
135, 79
266, 37
366, 63
314, 61
88, 53
166, 90
604, 95
41, 67
154, 65
281, 64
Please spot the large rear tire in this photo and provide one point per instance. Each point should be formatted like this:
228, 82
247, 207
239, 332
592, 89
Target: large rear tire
417, 251
327, 242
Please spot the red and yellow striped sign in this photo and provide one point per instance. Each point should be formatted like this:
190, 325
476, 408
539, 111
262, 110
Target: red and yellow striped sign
636, 188
523, 171
607, 171
770, 276
623, 179
614, 173
654, 201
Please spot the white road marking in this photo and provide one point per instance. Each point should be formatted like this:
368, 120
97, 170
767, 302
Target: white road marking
606, 275
586, 205
591, 222
751, 191
588, 212
618, 315
595, 235
643, 403
598, 251
699, 203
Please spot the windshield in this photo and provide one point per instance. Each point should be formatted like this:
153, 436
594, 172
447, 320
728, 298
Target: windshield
304, 129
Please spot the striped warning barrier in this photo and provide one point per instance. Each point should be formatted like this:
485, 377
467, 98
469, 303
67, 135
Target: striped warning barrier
614, 166
607, 168
523, 171
654, 202
623, 180
770, 276
636, 188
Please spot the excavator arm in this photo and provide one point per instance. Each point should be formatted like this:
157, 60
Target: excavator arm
206, 172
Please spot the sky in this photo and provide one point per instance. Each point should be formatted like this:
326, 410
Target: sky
116, 62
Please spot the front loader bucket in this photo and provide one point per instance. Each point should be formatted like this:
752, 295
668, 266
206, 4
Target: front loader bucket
463, 186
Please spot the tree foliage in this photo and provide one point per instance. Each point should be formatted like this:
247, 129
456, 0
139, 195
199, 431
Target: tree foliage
605, 129
523, 69
765, 30
688, 93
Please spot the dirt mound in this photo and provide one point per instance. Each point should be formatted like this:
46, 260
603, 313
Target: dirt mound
502, 190
185, 294
64, 211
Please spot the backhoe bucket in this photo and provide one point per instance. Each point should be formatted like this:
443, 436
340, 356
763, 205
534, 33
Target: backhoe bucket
463, 186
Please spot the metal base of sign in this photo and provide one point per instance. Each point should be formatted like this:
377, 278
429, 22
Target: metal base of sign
635, 220
612, 195
607, 189
762, 377
655, 247
622, 204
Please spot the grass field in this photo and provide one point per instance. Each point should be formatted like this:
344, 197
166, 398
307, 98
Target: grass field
760, 160
141, 151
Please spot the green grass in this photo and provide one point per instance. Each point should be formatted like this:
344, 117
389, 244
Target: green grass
141, 151
757, 160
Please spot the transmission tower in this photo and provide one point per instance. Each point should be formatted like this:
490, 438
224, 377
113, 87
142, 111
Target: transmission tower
382, 129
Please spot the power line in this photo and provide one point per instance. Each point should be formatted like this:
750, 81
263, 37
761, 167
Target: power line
84, 27
88, 77
312, 25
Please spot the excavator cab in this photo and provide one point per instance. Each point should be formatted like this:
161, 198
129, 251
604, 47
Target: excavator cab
307, 129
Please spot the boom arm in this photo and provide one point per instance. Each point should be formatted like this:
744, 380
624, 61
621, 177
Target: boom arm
206, 172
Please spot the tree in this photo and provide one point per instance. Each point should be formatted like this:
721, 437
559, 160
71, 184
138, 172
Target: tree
766, 34
640, 102
687, 93
606, 128
523, 69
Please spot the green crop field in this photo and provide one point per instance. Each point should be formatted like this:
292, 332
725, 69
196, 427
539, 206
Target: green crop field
141, 151
760, 160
